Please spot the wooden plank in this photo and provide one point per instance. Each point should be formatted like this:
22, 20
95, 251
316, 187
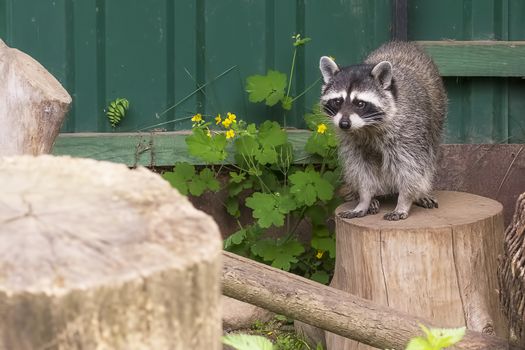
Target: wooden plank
147, 149
478, 58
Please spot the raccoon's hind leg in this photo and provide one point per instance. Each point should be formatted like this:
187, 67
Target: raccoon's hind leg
427, 201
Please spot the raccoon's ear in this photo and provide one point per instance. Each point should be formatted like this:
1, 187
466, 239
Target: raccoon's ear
328, 68
382, 72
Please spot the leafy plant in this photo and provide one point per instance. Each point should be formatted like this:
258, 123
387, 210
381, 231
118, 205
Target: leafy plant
264, 175
274, 87
247, 342
436, 338
117, 110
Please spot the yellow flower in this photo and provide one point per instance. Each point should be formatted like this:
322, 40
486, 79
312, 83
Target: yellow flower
218, 119
321, 128
226, 123
232, 117
197, 118
319, 254
230, 134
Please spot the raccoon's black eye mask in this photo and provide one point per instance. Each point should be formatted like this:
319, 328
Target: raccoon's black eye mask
331, 107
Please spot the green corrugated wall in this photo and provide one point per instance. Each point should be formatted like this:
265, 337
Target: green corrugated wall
157, 52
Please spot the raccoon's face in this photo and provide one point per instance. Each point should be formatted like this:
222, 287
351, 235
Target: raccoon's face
358, 96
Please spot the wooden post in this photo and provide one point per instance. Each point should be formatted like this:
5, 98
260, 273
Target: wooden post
440, 264
96, 256
33, 104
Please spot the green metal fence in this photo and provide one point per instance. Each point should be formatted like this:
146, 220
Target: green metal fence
157, 53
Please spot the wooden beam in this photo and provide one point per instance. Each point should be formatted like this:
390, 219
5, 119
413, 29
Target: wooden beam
478, 58
331, 309
147, 149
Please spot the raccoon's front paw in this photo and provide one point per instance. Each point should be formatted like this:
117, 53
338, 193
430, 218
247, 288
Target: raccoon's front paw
374, 207
350, 214
395, 216
427, 202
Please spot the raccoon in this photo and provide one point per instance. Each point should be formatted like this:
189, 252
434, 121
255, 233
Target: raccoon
389, 113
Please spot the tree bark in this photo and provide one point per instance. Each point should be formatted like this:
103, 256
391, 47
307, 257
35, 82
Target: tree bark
440, 264
331, 309
33, 104
96, 256
512, 273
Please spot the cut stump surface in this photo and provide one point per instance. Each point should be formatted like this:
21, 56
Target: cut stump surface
439, 264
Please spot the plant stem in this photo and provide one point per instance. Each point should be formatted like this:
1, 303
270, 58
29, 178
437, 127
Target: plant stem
291, 72
307, 89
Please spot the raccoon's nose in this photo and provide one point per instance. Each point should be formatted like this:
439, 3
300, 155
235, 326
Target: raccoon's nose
344, 123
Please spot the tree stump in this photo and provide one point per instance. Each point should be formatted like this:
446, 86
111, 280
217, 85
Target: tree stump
96, 256
439, 264
33, 104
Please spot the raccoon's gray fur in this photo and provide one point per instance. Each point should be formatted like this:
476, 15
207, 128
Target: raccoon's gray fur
389, 113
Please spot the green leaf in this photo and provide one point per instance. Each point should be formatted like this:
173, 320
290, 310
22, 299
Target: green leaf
316, 117
271, 134
447, 337
267, 156
208, 178
235, 238
247, 146
251, 129
301, 42
235, 188
333, 177
321, 277
209, 149
280, 254
180, 177
419, 343
269, 87
237, 177
436, 338
232, 206
265, 209
308, 186
320, 230
317, 215
196, 186
324, 243
287, 203
247, 342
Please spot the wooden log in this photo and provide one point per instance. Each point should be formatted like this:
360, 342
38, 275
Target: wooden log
511, 273
96, 256
332, 309
33, 104
440, 264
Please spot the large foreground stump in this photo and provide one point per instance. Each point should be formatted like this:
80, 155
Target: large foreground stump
33, 104
96, 256
439, 264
